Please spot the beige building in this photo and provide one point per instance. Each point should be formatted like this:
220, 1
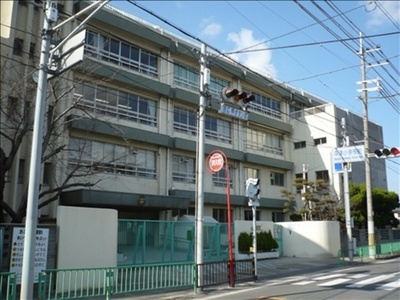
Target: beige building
126, 122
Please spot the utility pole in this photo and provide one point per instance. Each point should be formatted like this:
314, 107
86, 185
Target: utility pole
347, 195
46, 61
28, 263
370, 211
204, 82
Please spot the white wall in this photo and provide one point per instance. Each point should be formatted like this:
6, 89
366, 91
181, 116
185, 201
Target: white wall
310, 238
87, 237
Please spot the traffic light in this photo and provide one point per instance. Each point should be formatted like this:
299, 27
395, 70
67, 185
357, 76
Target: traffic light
253, 188
387, 152
236, 97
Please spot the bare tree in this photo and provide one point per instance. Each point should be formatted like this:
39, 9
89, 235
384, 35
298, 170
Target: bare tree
17, 105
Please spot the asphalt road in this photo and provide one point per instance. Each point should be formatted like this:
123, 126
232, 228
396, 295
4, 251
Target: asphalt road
302, 278
373, 281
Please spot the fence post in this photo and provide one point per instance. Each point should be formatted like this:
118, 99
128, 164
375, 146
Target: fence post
195, 278
42, 285
109, 283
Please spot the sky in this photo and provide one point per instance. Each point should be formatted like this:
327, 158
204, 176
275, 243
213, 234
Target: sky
310, 45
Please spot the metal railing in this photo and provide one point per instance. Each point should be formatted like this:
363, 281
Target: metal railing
8, 285
96, 282
376, 250
379, 249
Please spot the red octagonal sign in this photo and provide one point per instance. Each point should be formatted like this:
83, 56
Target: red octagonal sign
215, 162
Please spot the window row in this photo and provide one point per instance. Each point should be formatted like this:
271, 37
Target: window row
189, 78
215, 128
121, 53
116, 103
111, 158
264, 141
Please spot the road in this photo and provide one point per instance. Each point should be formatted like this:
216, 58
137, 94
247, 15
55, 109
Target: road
373, 281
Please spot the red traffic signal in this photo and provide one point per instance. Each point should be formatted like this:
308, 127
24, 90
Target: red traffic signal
387, 152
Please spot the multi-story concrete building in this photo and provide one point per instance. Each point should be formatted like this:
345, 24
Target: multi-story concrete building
127, 121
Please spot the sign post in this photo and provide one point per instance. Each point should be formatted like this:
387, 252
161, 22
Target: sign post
344, 156
215, 162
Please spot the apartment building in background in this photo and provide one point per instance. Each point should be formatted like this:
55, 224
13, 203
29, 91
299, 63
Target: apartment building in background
128, 122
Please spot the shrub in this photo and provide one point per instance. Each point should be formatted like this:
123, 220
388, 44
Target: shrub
265, 242
245, 241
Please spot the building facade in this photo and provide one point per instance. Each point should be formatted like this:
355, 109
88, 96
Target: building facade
121, 127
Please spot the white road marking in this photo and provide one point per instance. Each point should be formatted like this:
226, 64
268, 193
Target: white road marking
390, 286
334, 282
357, 276
303, 282
329, 276
372, 280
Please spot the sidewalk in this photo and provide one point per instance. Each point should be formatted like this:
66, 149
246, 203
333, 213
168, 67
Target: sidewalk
268, 269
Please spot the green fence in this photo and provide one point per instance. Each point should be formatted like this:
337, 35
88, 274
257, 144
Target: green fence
147, 242
8, 286
379, 249
105, 282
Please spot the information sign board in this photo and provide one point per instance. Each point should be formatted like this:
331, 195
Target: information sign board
17, 252
348, 154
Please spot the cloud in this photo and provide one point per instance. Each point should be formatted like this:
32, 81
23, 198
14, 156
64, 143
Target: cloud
387, 12
210, 28
259, 61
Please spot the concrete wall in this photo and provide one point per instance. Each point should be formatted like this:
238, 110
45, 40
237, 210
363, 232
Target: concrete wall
87, 237
310, 238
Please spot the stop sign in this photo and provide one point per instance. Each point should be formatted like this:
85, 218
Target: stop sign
215, 162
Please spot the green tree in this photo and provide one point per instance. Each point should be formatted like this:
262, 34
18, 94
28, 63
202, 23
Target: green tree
383, 202
317, 202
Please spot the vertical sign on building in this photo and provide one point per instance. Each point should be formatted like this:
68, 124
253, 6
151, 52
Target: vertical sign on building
17, 251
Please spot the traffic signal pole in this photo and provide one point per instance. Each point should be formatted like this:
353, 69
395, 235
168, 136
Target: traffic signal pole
347, 196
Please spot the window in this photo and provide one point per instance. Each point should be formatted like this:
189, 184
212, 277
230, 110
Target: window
111, 158
251, 173
21, 171
12, 108
186, 77
185, 120
18, 46
183, 169
320, 141
221, 215
265, 105
218, 129
277, 179
47, 173
263, 141
248, 215
324, 175
298, 145
116, 103
215, 129
121, 53
32, 50
216, 85
219, 178
278, 216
